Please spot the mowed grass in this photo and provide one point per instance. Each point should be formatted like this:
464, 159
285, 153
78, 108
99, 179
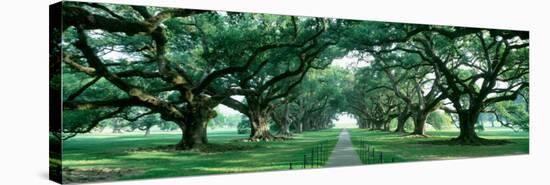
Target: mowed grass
118, 151
406, 148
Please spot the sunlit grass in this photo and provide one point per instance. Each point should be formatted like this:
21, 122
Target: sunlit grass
117, 151
418, 148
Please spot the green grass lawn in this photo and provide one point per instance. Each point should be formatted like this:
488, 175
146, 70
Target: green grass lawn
417, 148
96, 157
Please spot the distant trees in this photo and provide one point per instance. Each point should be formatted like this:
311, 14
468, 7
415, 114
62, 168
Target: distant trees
371, 100
416, 86
225, 121
319, 99
439, 120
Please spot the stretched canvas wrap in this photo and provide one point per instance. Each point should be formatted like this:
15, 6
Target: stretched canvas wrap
141, 92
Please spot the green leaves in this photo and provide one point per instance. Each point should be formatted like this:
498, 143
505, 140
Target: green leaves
177, 60
440, 120
513, 114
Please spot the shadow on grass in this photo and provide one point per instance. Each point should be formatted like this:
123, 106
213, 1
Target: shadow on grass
91, 158
207, 148
480, 142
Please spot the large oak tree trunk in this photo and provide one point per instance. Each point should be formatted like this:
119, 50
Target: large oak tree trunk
467, 121
387, 126
299, 127
259, 126
147, 131
305, 125
283, 121
401, 120
369, 124
194, 128
364, 123
285, 129
193, 136
378, 125
419, 123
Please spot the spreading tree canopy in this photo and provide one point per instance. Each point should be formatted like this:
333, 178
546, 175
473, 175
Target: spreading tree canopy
137, 67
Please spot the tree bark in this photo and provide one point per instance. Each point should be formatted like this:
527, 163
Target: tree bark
378, 125
194, 135
401, 120
299, 127
259, 125
419, 123
363, 123
285, 129
467, 120
305, 126
368, 124
194, 127
387, 126
283, 121
147, 131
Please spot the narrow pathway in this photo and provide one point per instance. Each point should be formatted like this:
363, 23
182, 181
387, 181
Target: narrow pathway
343, 153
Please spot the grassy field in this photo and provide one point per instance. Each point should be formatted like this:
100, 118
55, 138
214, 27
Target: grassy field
417, 149
90, 158
106, 157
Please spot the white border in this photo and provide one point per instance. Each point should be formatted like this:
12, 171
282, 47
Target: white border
24, 95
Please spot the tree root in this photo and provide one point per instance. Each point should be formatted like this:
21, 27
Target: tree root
400, 132
477, 141
265, 138
414, 135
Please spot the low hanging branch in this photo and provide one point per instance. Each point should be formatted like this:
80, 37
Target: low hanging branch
68, 133
140, 97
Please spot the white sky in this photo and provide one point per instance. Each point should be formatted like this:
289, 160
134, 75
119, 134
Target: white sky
228, 111
349, 61
345, 121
